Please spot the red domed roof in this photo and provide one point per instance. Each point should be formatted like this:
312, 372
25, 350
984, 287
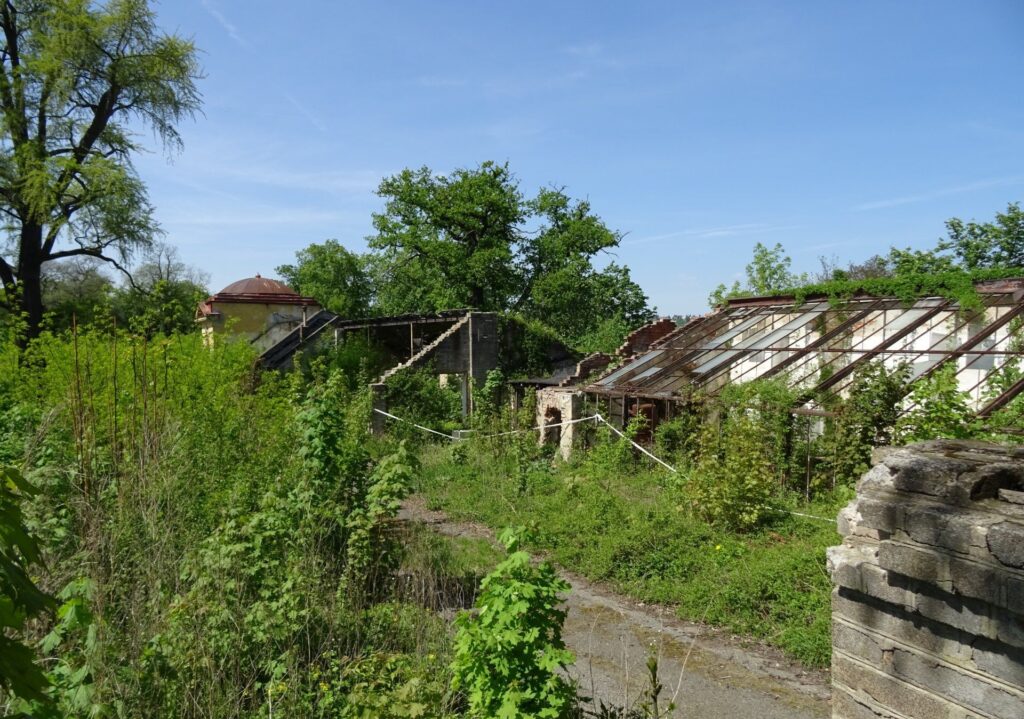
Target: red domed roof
256, 290
258, 286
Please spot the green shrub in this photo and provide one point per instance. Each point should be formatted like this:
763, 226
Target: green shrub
509, 653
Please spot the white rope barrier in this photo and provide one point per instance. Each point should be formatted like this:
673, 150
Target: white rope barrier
545, 426
417, 426
599, 418
486, 436
664, 464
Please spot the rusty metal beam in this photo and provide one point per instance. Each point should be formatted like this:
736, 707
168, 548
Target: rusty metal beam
1002, 400
849, 369
976, 339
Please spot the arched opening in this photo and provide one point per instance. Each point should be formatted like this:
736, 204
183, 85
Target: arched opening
552, 434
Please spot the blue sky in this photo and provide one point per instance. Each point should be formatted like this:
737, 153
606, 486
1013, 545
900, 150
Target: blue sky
697, 129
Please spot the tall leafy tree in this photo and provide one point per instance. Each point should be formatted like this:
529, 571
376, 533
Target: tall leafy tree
162, 294
74, 76
472, 239
462, 231
337, 278
767, 273
968, 246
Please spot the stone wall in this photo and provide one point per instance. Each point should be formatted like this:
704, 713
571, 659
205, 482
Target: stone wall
557, 405
928, 605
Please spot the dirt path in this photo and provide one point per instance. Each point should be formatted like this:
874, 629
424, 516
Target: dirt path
724, 677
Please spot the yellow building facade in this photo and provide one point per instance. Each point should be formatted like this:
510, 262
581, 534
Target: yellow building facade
259, 310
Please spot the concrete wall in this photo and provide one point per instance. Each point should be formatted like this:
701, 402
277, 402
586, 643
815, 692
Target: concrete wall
928, 605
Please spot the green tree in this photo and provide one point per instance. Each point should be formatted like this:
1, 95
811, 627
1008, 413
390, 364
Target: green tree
74, 77
509, 654
471, 239
968, 246
337, 278
977, 245
767, 273
939, 409
76, 289
461, 229
161, 295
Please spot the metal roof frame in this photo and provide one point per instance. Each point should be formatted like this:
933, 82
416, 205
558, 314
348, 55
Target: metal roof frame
756, 338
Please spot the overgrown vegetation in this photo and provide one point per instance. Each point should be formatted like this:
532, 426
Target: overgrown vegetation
641, 530
219, 548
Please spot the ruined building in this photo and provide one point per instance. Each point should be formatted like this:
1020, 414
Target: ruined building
258, 309
815, 343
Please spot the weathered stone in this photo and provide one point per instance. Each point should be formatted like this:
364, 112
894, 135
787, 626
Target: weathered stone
964, 688
1006, 542
877, 479
1015, 595
986, 481
898, 696
846, 706
976, 580
924, 474
907, 627
1000, 661
880, 512
953, 611
938, 526
919, 563
928, 610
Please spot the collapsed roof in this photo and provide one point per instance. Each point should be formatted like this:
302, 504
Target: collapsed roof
818, 344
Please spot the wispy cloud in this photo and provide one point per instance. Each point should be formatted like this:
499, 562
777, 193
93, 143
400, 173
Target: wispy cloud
314, 120
331, 182
937, 194
229, 27
586, 49
254, 217
710, 233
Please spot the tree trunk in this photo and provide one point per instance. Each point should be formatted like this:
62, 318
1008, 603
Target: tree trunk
30, 274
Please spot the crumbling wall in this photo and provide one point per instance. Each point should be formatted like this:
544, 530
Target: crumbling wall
556, 405
928, 605
640, 340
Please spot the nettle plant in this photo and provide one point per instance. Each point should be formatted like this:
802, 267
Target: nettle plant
509, 652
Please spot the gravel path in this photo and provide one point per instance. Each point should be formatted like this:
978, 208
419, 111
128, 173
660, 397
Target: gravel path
711, 674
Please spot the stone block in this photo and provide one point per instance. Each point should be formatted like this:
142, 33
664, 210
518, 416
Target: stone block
946, 642
928, 606
846, 706
1008, 628
1015, 595
964, 688
1006, 542
877, 479
985, 482
976, 580
919, 563
898, 696
937, 525
881, 512
924, 474
954, 611
1003, 662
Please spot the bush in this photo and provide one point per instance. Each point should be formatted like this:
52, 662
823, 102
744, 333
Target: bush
509, 653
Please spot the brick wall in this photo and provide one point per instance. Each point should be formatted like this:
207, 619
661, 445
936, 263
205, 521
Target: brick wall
640, 339
928, 604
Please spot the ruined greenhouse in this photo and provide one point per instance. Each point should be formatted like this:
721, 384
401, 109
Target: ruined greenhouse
814, 344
